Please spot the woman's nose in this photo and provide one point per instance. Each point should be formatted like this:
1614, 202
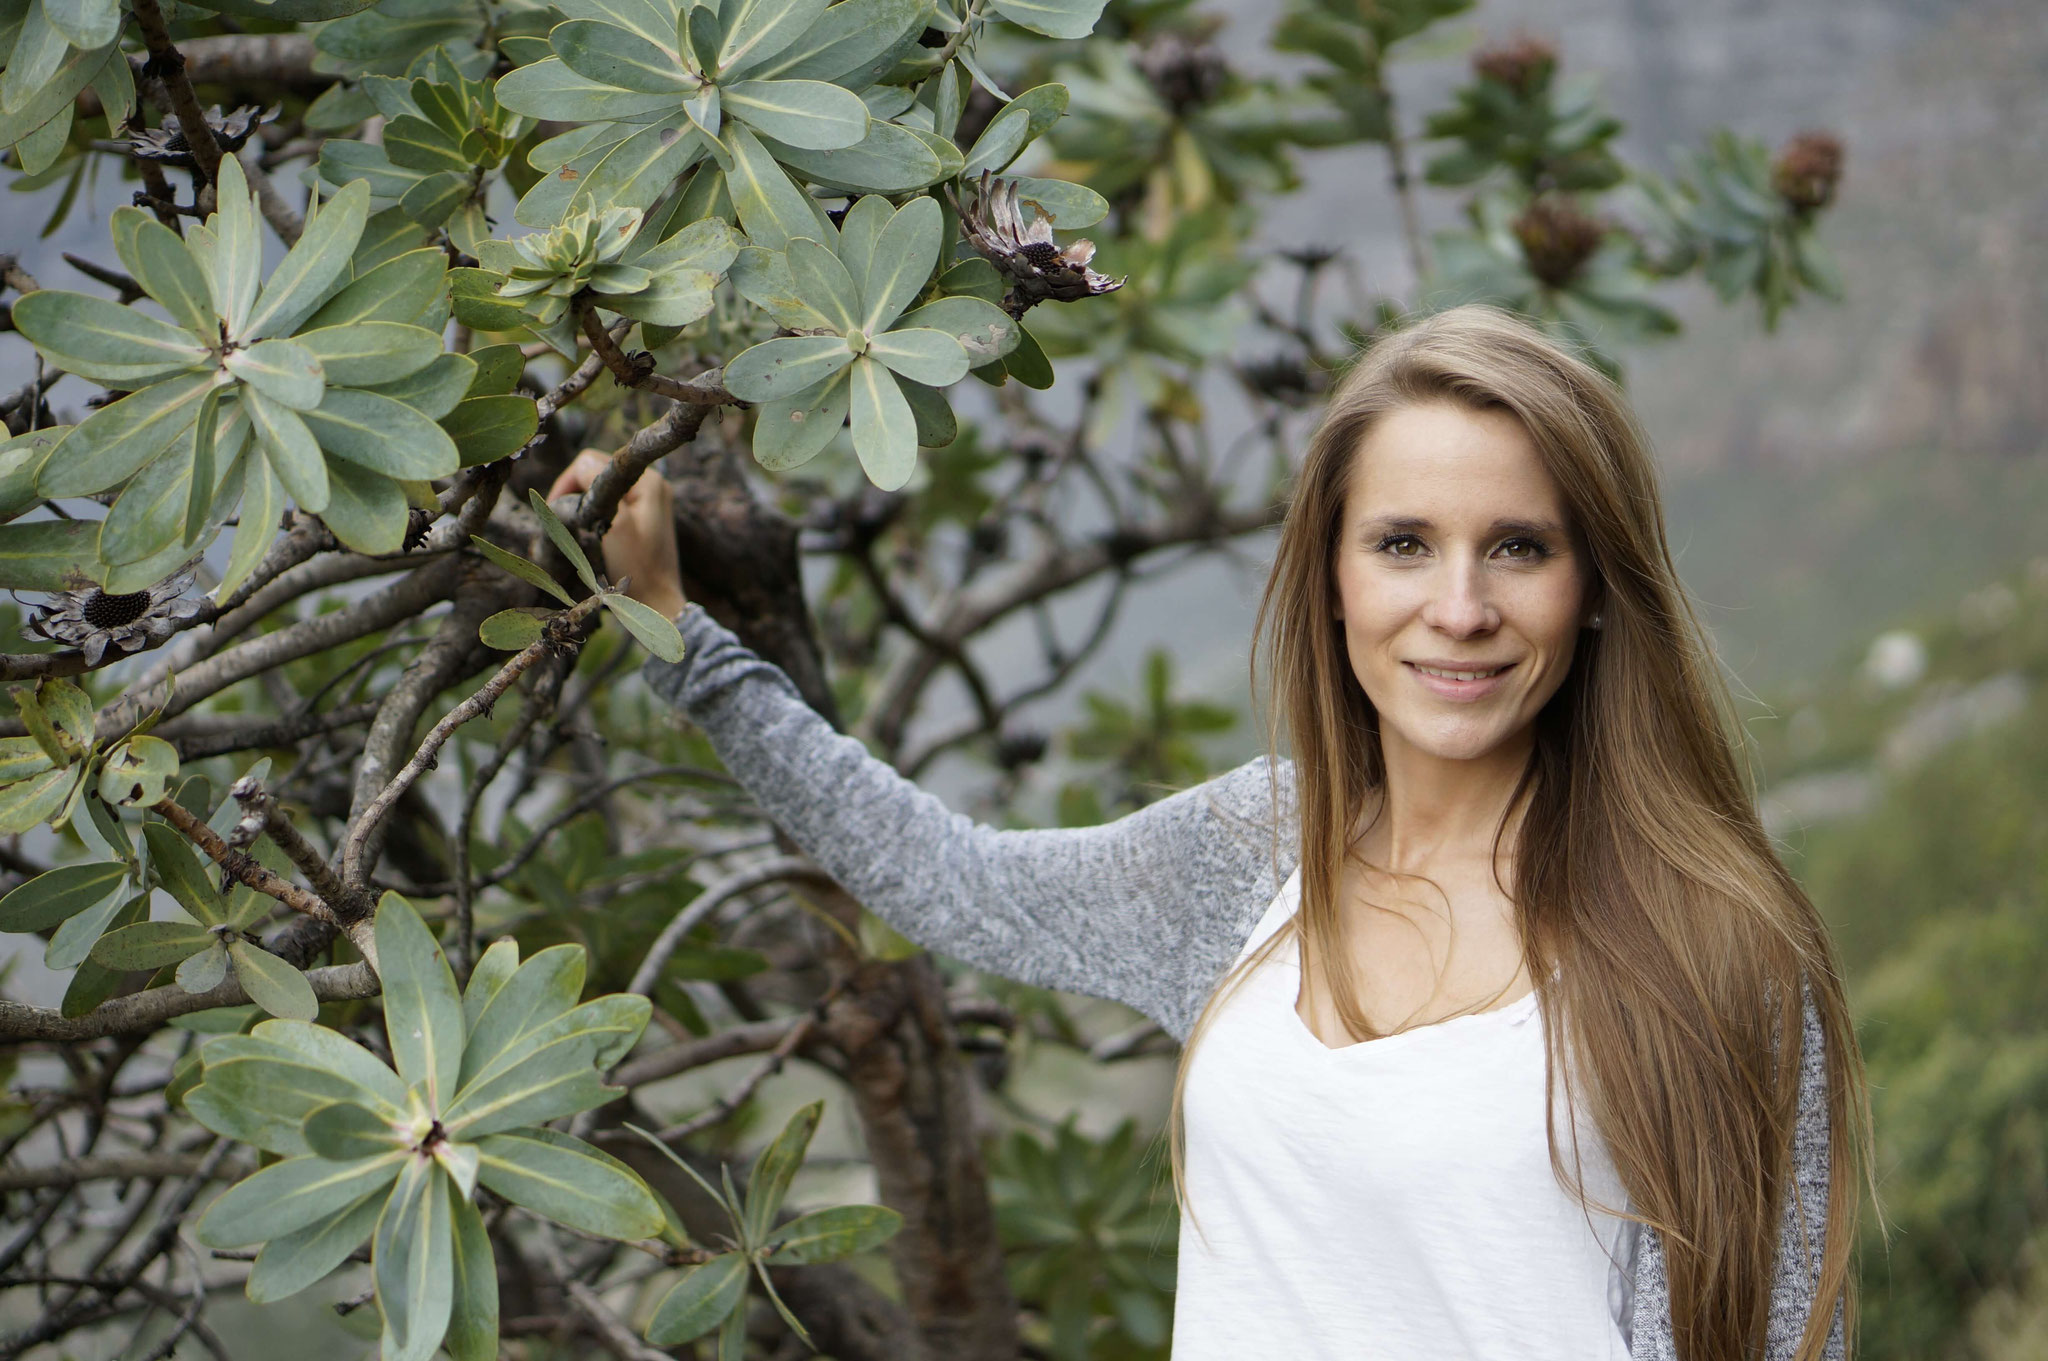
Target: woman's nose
1460, 605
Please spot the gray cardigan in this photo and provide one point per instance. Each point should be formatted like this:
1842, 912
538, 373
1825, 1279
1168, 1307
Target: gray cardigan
1149, 910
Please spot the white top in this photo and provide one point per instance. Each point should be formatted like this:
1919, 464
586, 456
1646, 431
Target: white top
1391, 1200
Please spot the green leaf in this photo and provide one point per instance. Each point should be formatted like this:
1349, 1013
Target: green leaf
824, 283
121, 437
413, 1262
891, 158
344, 1130
657, 634
435, 389
832, 1234
177, 869
904, 253
21, 757
921, 355
612, 56
149, 514
203, 970
854, 43
151, 945
103, 340
237, 255
20, 457
1000, 141
513, 630
59, 894
498, 369
770, 205
535, 995
498, 964
804, 113
284, 371
261, 510
365, 509
35, 800
290, 1195
549, 89
337, 1055
776, 1165
136, 772
473, 1321
489, 428
1069, 206
291, 453
93, 983
569, 1182
559, 535
272, 984
163, 265
50, 555
700, 1301
884, 430
1053, 18
398, 290
290, 1263
763, 279
986, 332
309, 271
791, 432
784, 366
366, 352
521, 568
416, 144
382, 435
422, 1010
758, 30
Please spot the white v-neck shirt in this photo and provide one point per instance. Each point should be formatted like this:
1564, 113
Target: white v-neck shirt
1391, 1200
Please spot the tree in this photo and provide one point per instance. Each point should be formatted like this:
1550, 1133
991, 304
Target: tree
786, 231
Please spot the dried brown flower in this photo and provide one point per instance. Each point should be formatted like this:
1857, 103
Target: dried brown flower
1807, 170
1557, 238
1523, 64
167, 144
92, 621
1030, 261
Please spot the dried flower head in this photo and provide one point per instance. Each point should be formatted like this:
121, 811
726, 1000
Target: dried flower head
168, 146
1185, 70
1557, 238
92, 621
1034, 265
1807, 170
1523, 64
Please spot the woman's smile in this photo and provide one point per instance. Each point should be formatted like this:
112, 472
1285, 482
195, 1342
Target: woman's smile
1461, 683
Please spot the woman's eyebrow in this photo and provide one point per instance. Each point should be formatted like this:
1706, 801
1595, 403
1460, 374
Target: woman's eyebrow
1410, 523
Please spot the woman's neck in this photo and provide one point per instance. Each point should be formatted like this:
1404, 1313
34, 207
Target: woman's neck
1435, 813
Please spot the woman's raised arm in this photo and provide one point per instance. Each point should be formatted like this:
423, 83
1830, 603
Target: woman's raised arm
1147, 910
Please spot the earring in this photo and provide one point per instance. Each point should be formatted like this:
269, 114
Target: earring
1596, 621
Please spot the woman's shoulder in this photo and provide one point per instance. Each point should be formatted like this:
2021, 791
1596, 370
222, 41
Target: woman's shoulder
1257, 795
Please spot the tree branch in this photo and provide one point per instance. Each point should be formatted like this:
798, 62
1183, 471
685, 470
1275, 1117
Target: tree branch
167, 62
148, 1010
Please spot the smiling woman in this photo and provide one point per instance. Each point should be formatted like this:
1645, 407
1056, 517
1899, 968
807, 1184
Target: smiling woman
1494, 690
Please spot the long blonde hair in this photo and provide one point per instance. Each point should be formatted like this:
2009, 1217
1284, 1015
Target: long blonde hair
1643, 875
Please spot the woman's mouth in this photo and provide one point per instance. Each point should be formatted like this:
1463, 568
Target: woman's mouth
1457, 683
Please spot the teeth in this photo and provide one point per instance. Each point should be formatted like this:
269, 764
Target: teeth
1460, 675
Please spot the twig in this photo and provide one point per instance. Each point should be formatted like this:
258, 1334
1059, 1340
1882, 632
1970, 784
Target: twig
268, 818
709, 901
241, 866
168, 63
559, 633
637, 370
73, 1171
148, 1010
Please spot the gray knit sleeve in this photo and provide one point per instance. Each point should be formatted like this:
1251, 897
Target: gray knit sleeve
1147, 910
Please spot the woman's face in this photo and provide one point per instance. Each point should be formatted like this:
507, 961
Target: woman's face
1455, 555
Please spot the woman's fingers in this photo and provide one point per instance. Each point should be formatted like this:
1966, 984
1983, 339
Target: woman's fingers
581, 472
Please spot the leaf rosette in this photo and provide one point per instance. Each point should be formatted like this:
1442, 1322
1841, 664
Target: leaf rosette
396, 1156
865, 354
314, 384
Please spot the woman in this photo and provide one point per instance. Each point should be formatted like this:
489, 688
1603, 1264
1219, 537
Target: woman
1486, 981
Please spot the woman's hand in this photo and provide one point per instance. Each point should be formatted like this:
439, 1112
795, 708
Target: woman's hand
640, 547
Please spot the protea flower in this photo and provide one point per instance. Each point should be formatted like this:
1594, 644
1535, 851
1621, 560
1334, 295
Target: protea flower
1027, 257
1807, 170
1524, 64
92, 621
1557, 238
167, 144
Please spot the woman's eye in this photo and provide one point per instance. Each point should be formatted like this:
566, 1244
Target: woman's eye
1531, 549
1394, 543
